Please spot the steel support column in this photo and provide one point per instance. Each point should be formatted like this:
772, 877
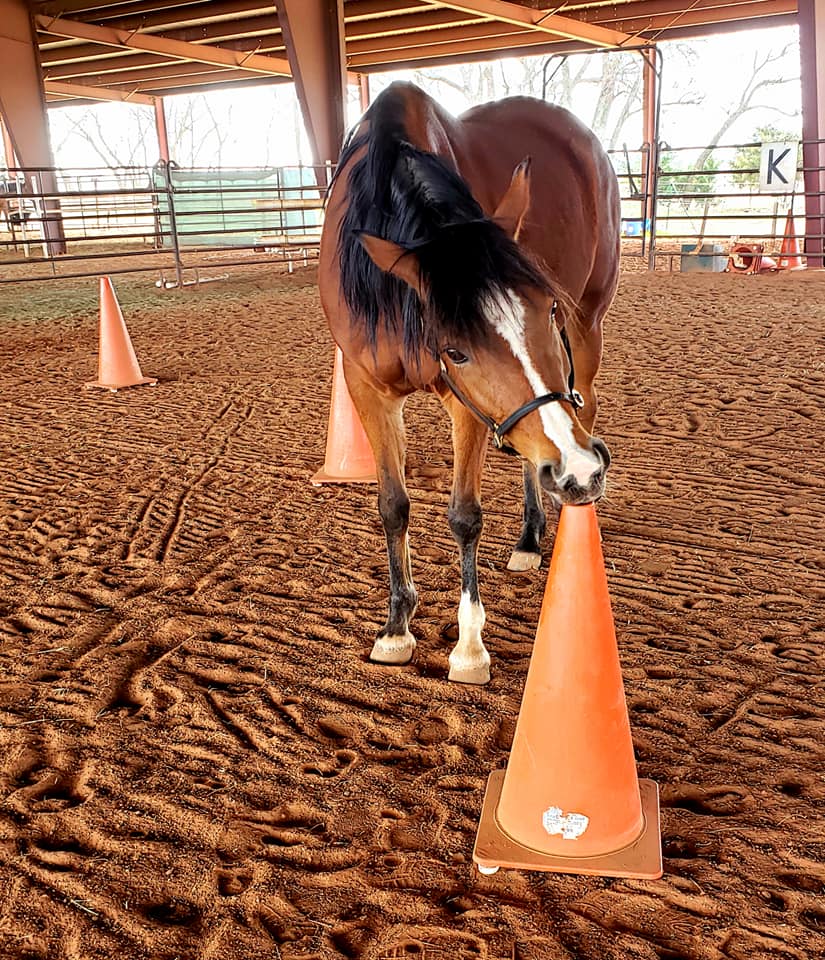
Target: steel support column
160, 126
812, 53
314, 35
364, 90
8, 149
651, 67
23, 108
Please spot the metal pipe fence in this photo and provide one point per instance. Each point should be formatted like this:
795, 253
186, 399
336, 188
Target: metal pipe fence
708, 199
174, 222
180, 223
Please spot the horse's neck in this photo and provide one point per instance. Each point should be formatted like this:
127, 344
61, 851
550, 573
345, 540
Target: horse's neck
430, 128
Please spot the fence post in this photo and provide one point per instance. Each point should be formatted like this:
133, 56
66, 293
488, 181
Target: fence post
652, 76
166, 167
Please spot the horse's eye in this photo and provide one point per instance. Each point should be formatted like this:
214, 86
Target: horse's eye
456, 356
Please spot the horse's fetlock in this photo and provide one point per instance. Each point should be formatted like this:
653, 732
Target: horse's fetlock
408, 597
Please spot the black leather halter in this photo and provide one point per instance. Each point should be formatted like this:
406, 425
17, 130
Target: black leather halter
498, 430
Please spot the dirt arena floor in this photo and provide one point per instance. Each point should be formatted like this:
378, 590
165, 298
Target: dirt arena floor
197, 761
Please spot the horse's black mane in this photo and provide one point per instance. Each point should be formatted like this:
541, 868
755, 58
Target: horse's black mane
411, 197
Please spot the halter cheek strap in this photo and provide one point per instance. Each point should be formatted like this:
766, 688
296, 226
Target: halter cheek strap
499, 430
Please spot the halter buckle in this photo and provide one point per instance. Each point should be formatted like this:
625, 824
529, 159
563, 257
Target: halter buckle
577, 399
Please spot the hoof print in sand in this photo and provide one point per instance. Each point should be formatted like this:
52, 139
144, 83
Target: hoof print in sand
344, 759
431, 943
721, 801
231, 883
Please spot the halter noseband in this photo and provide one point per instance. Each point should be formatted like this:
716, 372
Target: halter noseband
498, 430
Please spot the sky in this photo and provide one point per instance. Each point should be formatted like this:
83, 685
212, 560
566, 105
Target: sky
703, 80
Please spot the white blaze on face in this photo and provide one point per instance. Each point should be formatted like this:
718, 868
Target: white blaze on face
506, 314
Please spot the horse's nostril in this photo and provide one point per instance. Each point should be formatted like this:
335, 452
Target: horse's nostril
549, 475
599, 447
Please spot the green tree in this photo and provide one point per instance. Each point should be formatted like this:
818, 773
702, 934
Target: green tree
677, 177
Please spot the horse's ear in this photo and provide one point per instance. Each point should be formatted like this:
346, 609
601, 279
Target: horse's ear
511, 210
391, 258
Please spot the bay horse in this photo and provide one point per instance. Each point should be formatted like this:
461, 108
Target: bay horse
451, 263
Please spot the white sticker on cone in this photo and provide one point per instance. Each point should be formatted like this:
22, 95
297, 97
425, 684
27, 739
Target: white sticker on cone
570, 825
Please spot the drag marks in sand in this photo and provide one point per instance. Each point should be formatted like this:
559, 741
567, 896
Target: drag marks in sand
198, 761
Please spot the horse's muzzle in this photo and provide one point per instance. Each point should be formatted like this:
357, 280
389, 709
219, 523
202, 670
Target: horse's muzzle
581, 486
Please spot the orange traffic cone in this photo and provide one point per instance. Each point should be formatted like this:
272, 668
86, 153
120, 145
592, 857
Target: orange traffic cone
570, 801
349, 456
117, 364
790, 256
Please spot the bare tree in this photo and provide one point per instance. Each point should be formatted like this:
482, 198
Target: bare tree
605, 90
761, 77
197, 133
123, 150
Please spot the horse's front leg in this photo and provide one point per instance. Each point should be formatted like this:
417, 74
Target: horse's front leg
469, 661
382, 416
527, 553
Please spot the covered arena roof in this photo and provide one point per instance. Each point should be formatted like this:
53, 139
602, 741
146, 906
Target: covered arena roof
134, 49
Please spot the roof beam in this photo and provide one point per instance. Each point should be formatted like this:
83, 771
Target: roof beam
100, 8
139, 76
101, 69
222, 77
207, 83
377, 63
510, 41
645, 15
505, 38
539, 20
252, 32
201, 14
83, 92
112, 37
355, 10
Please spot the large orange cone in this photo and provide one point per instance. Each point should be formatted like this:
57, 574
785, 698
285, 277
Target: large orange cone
117, 364
349, 456
790, 256
570, 800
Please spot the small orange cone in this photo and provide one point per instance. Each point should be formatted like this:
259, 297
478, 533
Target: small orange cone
745, 258
570, 800
117, 364
790, 256
349, 456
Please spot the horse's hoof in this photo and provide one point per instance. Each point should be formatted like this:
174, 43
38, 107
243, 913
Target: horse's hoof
478, 674
521, 560
393, 650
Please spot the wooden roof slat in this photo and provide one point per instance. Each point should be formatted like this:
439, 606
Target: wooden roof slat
199, 14
220, 43
89, 9
538, 20
559, 47
103, 69
80, 91
446, 45
156, 44
205, 74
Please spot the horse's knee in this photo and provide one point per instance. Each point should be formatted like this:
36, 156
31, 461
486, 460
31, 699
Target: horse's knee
587, 415
394, 507
466, 521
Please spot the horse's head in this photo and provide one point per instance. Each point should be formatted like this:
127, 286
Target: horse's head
488, 319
